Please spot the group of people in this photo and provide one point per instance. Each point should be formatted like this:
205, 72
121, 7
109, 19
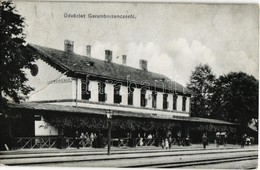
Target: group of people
141, 142
167, 143
84, 138
245, 140
220, 138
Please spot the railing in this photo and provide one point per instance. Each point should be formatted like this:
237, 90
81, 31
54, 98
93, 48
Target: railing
119, 142
145, 142
67, 142
48, 142
35, 142
70, 142
181, 141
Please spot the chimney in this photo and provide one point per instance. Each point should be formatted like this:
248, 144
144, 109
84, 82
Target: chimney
143, 65
108, 56
124, 59
88, 50
68, 46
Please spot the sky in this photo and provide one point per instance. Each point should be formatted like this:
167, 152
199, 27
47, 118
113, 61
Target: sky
173, 38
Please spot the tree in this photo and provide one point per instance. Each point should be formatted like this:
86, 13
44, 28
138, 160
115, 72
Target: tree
236, 98
201, 83
12, 56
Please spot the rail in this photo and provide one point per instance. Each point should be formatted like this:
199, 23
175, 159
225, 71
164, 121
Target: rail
35, 142
67, 142
145, 142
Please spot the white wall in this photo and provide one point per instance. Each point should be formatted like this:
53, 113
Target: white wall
179, 103
159, 100
76, 89
137, 97
188, 104
42, 128
124, 94
93, 87
109, 90
49, 83
125, 109
148, 96
170, 101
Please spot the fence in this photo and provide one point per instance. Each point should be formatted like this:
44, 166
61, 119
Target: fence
145, 142
67, 142
35, 142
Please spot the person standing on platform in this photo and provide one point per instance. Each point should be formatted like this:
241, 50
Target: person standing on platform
170, 142
225, 140
243, 141
204, 140
95, 140
187, 140
82, 139
179, 138
141, 141
77, 138
217, 139
91, 139
166, 144
87, 141
163, 143
149, 136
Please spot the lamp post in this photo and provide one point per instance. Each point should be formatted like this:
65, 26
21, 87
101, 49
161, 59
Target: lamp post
109, 121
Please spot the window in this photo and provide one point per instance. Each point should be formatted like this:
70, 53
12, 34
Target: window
85, 93
102, 96
130, 95
175, 97
184, 103
165, 103
154, 99
143, 100
117, 96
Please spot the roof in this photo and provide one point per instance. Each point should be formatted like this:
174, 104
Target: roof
80, 64
85, 110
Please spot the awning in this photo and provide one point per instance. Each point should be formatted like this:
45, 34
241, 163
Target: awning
85, 110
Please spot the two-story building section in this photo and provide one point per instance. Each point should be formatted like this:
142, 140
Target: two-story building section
68, 85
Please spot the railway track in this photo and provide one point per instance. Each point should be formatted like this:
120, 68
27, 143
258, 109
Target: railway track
86, 153
197, 162
126, 155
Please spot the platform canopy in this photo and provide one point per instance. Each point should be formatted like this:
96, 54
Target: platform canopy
84, 110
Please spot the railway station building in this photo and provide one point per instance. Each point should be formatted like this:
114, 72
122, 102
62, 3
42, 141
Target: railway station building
77, 92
